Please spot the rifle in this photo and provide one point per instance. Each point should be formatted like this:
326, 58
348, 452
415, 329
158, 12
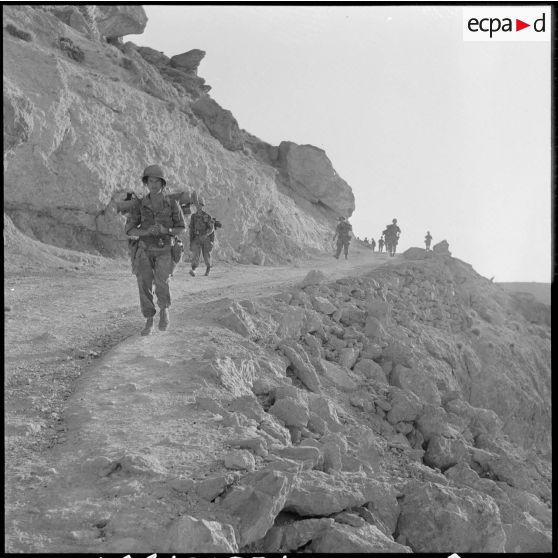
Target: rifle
185, 199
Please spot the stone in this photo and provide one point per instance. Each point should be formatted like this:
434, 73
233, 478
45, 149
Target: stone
290, 537
315, 493
301, 364
189, 534
436, 518
373, 328
291, 411
527, 537
415, 254
345, 539
323, 305
240, 459
371, 370
188, 61
348, 357
309, 173
237, 319
338, 376
257, 445
255, 503
313, 277
325, 410
348, 518
441, 249
417, 382
445, 452
405, 406
220, 122
248, 405
117, 21
309, 454
212, 487
351, 315
317, 424
433, 421
272, 428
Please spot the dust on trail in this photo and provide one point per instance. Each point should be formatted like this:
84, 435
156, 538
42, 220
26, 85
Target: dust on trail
82, 384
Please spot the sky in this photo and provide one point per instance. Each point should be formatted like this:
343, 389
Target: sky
443, 134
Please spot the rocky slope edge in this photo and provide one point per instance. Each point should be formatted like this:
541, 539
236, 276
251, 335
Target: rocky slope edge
408, 409
85, 113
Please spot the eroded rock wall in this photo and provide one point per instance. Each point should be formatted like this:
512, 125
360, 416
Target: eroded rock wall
83, 117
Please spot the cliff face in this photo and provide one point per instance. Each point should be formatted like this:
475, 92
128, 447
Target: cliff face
83, 117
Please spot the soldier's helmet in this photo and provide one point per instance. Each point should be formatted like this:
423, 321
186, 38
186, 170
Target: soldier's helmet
394, 221
155, 171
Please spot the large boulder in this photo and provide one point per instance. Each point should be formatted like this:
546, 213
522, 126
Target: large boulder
117, 21
309, 172
442, 248
445, 452
437, 518
346, 539
255, 503
188, 534
315, 493
188, 61
301, 365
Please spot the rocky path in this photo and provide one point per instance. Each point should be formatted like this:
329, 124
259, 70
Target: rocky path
93, 409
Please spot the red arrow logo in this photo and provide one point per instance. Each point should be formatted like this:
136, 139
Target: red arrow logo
519, 25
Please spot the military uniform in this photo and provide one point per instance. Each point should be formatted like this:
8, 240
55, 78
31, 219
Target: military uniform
381, 245
427, 241
202, 237
391, 234
153, 262
343, 234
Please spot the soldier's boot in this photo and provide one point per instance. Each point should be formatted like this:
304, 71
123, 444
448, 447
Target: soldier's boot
207, 270
193, 272
163, 319
148, 327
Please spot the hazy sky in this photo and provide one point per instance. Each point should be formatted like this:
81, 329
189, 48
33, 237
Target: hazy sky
445, 135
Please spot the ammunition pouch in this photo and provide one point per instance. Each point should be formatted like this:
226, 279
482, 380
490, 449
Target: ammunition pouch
134, 250
177, 250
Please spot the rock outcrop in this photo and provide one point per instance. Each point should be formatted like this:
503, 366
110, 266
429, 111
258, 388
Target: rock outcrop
83, 117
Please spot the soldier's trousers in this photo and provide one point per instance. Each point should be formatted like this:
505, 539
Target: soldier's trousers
199, 248
342, 244
154, 268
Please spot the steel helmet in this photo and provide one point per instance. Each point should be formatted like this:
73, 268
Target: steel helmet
155, 171
394, 221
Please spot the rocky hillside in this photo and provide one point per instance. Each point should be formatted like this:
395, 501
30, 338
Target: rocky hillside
414, 403
84, 113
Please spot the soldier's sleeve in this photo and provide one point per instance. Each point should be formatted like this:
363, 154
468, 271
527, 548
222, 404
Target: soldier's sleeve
177, 216
134, 217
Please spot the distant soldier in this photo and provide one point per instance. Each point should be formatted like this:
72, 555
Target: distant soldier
202, 236
373, 244
343, 234
381, 244
156, 219
391, 234
427, 240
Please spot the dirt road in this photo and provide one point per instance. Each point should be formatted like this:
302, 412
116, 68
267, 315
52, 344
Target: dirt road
84, 392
